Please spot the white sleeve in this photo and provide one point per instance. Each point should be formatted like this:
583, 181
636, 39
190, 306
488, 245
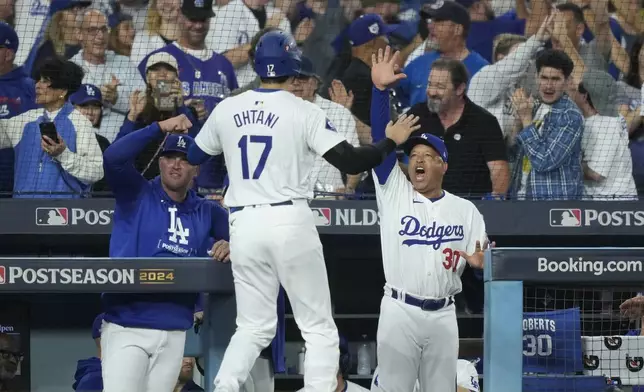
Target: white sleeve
477, 230
222, 36
396, 187
207, 139
601, 147
321, 135
11, 130
130, 79
642, 103
86, 164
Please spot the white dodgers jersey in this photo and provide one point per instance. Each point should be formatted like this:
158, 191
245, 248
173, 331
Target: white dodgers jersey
270, 139
422, 240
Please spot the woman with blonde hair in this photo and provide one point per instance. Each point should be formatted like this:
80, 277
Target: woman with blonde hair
61, 35
161, 29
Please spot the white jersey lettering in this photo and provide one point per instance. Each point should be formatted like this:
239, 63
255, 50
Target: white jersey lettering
270, 139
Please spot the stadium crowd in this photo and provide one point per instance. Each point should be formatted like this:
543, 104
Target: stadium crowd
101, 69
535, 100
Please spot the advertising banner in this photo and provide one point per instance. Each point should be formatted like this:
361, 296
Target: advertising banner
99, 275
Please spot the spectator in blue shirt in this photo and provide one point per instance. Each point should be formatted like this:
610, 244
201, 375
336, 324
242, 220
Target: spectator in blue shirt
17, 95
449, 31
547, 150
485, 26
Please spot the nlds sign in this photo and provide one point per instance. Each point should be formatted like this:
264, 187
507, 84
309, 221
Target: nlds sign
50, 216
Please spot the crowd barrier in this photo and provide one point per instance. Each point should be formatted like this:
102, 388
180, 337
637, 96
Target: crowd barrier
347, 217
97, 275
507, 269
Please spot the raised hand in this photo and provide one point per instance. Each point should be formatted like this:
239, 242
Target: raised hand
545, 30
400, 130
383, 69
110, 90
632, 308
340, 95
178, 124
137, 104
476, 259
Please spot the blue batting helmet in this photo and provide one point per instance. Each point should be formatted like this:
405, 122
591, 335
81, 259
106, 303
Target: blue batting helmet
277, 55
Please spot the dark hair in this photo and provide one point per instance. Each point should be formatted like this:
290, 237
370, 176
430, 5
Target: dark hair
556, 59
633, 77
457, 71
62, 74
279, 79
255, 40
577, 13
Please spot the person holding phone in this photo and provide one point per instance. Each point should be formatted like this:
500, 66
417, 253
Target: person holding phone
161, 100
57, 154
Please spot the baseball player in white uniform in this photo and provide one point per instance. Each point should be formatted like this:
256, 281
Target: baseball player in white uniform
270, 139
427, 236
467, 377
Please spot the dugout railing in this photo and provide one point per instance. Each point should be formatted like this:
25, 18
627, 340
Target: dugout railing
509, 269
97, 275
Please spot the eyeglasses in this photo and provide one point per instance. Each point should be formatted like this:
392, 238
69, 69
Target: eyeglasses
96, 30
18, 356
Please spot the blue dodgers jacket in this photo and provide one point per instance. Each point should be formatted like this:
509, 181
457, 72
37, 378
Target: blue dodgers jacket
38, 175
17, 93
88, 376
147, 223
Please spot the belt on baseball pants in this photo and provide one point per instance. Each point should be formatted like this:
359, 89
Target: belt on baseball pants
284, 203
424, 304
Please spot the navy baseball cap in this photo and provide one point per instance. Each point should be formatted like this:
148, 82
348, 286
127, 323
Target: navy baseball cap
87, 93
62, 5
96, 326
197, 9
177, 143
429, 140
448, 10
368, 27
8, 37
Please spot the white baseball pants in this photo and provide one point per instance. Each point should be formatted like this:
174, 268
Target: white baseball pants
270, 245
414, 344
261, 378
137, 359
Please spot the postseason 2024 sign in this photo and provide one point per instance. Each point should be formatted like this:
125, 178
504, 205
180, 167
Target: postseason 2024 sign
560, 218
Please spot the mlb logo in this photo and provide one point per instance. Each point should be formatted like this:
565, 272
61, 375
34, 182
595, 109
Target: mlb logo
46, 216
3, 274
565, 217
322, 216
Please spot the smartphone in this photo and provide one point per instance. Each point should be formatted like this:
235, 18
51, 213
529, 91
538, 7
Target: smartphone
49, 129
163, 100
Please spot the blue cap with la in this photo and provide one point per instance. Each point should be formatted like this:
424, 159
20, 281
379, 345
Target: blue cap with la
368, 27
8, 37
87, 93
429, 140
177, 143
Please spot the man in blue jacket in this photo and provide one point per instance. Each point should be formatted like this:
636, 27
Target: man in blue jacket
17, 95
143, 336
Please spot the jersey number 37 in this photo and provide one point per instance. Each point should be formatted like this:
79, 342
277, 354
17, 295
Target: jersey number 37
244, 145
